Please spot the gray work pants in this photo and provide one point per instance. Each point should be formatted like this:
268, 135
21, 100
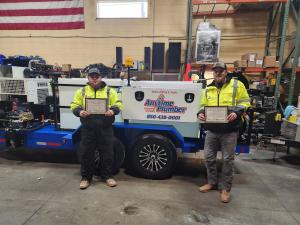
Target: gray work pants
226, 142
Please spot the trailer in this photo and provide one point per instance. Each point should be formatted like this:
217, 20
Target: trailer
158, 124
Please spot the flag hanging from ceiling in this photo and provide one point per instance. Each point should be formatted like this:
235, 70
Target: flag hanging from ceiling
41, 14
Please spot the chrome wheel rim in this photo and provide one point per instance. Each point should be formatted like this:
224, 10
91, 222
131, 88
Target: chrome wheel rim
153, 157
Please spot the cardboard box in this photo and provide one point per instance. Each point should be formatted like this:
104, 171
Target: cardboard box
259, 61
253, 77
142, 75
250, 57
66, 67
270, 61
240, 63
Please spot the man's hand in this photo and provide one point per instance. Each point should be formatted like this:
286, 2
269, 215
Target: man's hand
201, 116
84, 113
109, 113
231, 117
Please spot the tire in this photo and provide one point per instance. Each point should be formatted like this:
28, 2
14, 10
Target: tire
119, 157
153, 156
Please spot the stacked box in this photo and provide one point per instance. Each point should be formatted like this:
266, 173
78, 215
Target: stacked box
270, 61
250, 57
66, 67
259, 61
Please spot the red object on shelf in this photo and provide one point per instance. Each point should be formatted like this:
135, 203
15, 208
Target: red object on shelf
187, 70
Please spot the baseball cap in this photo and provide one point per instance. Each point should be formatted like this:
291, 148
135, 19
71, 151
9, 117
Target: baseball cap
221, 65
94, 71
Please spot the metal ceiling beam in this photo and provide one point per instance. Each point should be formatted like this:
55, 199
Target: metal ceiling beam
269, 30
281, 51
294, 11
280, 25
189, 31
271, 21
295, 62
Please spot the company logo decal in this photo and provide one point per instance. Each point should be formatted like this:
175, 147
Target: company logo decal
160, 105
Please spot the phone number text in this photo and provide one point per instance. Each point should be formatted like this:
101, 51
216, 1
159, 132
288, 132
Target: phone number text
162, 117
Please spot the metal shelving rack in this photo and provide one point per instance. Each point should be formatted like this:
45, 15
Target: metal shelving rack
284, 7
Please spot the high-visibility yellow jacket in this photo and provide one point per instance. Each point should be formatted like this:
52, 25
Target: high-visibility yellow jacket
232, 94
88, 91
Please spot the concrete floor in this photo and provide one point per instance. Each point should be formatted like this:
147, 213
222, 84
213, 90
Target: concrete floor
264, 193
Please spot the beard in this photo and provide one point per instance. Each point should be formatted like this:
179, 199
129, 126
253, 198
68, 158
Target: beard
95, 85
219, 80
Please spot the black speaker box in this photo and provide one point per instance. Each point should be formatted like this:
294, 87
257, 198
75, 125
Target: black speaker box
158, 57
174, 57
147, 55
119, 55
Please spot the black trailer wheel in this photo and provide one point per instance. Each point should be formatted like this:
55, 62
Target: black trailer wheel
153, 156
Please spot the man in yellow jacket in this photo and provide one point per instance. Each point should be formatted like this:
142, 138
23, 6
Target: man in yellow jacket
97, 130
223, 91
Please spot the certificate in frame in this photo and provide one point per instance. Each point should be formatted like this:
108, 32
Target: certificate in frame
216, 114
96, 105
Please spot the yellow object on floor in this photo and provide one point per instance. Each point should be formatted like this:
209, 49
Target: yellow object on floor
278, 117
292, 119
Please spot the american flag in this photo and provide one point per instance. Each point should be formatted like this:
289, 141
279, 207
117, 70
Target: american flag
41, 14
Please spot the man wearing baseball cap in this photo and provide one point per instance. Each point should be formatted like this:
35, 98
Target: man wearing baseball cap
97, 130
223, 91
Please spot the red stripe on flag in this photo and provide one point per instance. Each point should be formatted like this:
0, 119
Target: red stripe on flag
42, 26
42, 12
2, 140
23, 1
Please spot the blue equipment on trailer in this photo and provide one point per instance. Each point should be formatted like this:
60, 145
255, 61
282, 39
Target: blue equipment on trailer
2, 138
51, 138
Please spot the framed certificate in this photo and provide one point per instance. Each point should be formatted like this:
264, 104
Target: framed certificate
216, 114
96, 105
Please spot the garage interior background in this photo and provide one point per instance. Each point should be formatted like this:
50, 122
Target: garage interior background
167, 22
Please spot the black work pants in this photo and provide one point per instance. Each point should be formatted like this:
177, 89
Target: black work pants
95, 135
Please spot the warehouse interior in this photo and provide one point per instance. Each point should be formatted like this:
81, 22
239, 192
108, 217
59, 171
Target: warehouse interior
159, 57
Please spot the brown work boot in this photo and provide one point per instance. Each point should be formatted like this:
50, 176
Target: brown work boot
111, 182
225, 196
84, 184
206, 188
